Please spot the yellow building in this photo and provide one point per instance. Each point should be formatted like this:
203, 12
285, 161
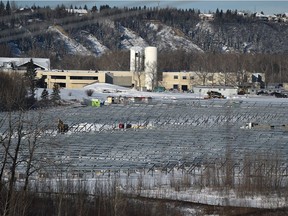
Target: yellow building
184, 81
181, 81
79, 78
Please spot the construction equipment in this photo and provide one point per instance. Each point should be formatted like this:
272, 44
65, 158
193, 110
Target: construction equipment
215, 94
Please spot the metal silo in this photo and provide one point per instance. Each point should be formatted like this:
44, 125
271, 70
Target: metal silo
136, 59
150, 67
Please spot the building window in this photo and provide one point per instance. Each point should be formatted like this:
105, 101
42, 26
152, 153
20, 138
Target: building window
184, 77
191, 77
175, 76
58, 77
175, 86
84, 78
62, 85
184, 88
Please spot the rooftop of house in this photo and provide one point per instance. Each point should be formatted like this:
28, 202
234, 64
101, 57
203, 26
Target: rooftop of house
43, 63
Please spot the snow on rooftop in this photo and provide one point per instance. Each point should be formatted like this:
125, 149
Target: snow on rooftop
137, 48
99, 87
78, 11
42, 62
104, 89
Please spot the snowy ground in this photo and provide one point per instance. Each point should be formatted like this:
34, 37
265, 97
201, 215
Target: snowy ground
114, 90
160, 154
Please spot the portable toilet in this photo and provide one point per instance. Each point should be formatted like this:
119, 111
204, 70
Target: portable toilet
110, 99
95, 103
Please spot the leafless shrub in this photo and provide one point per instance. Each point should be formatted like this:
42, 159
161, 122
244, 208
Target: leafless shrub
89, 92
140, 184
186, 181
174, 184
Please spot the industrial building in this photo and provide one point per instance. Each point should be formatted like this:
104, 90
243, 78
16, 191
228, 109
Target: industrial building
80, 78
143, 74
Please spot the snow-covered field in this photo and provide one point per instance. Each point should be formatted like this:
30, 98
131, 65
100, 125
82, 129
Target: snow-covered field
182, 151
102, 90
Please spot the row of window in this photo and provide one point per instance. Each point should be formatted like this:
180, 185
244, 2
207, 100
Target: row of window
183, 87
209, 78
184, 77
76, 77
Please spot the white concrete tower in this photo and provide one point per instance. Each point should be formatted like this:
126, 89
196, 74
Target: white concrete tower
150, 67
136, 59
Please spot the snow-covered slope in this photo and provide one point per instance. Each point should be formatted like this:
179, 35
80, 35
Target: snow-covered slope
92, 43
130, 39
72, 46
172, 39
85, 43
205, 26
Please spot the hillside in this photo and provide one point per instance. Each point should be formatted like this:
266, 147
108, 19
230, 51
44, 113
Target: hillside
93, 34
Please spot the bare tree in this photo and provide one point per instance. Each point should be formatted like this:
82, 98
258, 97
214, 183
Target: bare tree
22, 136
12, 91
12, 148
33, 164
151, 75
201, 70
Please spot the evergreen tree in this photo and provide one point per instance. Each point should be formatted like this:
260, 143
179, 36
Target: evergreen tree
44, 95
2, 9
30, 77
94, 9
8, 8
55, 95
217, 12
41, 82
34, 7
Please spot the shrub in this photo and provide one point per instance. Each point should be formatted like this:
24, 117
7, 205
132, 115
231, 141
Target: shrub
89, 92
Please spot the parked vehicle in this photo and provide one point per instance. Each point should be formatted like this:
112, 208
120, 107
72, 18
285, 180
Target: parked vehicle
214, 94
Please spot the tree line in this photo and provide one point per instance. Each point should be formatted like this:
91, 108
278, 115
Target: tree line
274, 66
95, 22
5, 9
19, 91
213, 60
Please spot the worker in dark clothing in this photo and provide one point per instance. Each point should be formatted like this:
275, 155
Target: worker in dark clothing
62, 127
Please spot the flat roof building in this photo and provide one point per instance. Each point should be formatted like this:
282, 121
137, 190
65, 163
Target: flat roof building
79, 78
